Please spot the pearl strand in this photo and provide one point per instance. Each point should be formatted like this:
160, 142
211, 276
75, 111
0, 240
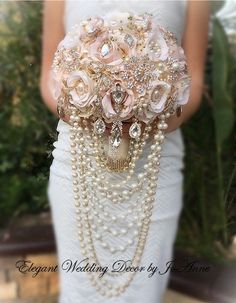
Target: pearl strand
140, 246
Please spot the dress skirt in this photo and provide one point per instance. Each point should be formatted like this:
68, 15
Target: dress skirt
75, 286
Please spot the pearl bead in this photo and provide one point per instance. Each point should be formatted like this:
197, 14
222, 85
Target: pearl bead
140, 176
125, 192
73, 159
123, 231
162, 116
167, 115
121, 248
112, 250
114, 218
164, 125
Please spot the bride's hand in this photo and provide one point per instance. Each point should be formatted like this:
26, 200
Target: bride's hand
173, 122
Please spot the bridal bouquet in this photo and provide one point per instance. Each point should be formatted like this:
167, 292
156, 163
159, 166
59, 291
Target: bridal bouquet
116, 68
110, 70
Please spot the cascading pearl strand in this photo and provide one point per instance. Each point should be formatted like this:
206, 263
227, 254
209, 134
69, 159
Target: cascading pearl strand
85, 232
135, 186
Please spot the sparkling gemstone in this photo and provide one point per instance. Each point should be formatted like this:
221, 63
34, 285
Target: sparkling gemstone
97, 102
69, 58
175, 65
135, 130
96, 66
138, 74
90, 29
116, 137
129, 40
99, 126
118, 95
105, 49
140, 89
106, 81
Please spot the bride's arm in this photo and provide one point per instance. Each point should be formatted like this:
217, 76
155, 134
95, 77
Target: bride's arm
195, 40
53, 33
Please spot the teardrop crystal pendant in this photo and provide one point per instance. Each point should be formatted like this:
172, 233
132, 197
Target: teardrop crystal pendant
99, 126
118, 95
135, 130
116, 134
115, 138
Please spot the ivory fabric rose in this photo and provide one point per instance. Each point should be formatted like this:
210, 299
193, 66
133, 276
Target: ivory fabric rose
177, 53
71, 40
81, 88
157, 40
55, 84
159, 96
142, 22
90, 28
127, 106
182, 90
158, 99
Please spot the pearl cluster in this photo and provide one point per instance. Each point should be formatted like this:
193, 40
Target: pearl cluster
94, 218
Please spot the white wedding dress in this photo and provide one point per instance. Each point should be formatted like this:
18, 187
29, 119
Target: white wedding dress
75, 286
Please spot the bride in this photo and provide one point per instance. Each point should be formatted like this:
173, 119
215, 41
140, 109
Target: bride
188, 21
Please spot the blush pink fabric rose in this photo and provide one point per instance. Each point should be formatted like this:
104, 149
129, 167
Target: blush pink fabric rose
81, 88
112, 57
109, 110
116, 50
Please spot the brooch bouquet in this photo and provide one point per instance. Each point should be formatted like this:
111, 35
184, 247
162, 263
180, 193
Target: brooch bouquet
114, 69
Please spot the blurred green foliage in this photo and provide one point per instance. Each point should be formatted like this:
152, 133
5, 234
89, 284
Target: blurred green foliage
25, 123
208, 221
28, 130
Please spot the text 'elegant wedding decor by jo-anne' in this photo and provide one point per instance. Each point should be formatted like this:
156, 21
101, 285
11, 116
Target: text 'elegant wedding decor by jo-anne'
108, 71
